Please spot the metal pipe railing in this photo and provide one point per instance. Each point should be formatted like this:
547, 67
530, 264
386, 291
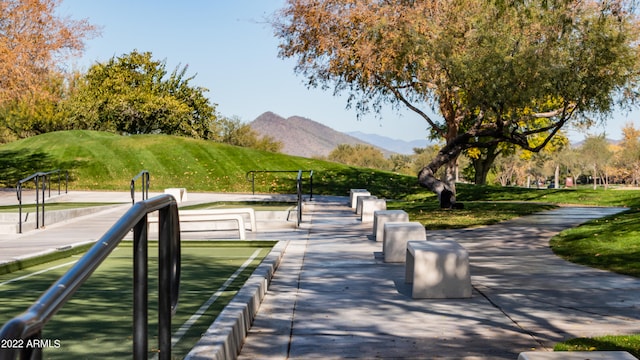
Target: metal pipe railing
145, 186
29, 325
299, 190
45, 178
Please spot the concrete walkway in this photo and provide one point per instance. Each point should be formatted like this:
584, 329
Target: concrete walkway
333, 297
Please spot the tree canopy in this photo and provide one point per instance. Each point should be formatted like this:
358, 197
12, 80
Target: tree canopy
33, 40
497, 72
134, 94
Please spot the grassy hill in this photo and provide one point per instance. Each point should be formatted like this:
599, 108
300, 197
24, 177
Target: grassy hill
99, 160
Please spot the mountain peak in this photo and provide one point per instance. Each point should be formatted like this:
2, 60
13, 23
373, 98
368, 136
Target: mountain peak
301, 136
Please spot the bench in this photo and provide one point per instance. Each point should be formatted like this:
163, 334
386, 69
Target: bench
381, 217
576, 355
180, 194
395, 238
370, 206
437, 269
354, 194
214, 219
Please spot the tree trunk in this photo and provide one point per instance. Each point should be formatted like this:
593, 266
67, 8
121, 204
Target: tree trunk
556, 175
482, 166
446, 195
446, 191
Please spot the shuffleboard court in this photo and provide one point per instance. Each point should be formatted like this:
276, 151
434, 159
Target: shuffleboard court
97, 322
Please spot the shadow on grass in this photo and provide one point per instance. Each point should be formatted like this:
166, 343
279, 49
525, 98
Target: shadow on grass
19, 164
379, 183
474, 213
340, 181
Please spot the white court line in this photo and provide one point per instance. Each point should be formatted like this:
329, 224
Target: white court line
187, 325
36, 273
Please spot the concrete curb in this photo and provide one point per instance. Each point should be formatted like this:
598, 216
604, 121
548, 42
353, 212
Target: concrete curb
225, 337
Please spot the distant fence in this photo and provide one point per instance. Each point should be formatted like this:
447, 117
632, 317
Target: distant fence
41, 180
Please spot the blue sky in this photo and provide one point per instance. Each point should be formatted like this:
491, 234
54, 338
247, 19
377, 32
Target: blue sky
231, 49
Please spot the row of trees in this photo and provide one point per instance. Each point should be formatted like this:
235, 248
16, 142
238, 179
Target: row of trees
130, 94
595, 158
596, 161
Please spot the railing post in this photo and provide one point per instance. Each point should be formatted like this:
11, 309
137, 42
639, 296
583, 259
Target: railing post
168, 275
140, 290
44, 188
147, 182
311, 185
37, 203
19, 192
299, 188
133, 191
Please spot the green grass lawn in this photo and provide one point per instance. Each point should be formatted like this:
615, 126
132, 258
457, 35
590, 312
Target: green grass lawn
629, 343
97, 320
475, 213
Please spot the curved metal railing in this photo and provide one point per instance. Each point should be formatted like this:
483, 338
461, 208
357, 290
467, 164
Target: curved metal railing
29, 325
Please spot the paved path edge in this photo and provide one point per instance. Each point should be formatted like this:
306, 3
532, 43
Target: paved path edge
226, 335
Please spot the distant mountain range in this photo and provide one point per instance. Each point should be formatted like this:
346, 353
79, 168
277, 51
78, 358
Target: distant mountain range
394, 145
304, 137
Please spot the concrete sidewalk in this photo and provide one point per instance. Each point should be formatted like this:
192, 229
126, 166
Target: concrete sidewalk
333, 297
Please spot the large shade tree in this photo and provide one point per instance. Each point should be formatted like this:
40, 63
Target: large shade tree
496, 71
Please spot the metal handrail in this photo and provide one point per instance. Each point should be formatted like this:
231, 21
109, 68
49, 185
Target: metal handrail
29, 325
45, 176
299, 188
251, 177
145, 186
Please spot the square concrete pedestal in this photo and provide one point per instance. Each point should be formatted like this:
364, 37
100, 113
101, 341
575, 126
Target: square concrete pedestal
395, 238
381, 217
370, 206
354, 194
361, 200
438, 269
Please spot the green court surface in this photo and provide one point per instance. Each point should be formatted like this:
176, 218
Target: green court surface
97, 322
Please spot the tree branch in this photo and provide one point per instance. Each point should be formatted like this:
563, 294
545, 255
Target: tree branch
408, 104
